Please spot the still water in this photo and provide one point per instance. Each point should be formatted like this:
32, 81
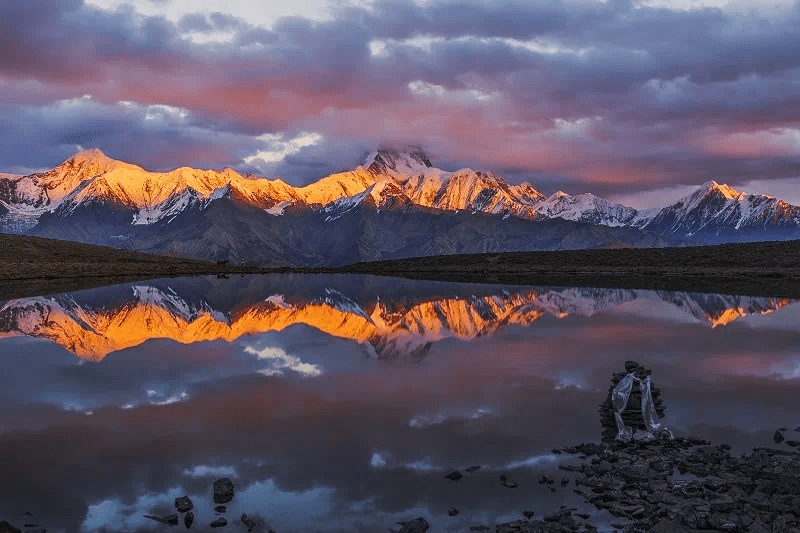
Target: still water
338, 403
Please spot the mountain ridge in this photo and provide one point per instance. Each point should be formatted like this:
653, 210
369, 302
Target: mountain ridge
93, 198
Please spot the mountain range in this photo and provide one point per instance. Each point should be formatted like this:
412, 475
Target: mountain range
395, 205
402, 319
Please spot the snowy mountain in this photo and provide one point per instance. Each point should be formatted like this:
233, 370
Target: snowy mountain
717, 213
397, 204
585, 208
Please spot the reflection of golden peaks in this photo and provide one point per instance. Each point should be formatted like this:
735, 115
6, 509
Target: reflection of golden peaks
92, 335
729, 315
385, 330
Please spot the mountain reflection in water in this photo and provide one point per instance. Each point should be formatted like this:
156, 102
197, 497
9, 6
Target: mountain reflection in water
338, 403
396, 324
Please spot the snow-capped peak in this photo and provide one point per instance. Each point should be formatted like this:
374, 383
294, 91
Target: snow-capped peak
726, 190
585, 207
93, 155
398, 164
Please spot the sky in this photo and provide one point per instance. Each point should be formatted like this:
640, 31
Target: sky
639, 101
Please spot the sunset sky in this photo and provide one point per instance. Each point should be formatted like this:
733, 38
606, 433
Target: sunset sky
637, 101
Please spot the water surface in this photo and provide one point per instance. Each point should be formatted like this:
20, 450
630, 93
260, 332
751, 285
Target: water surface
338, 403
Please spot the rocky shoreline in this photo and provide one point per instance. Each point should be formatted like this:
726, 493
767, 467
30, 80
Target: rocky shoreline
632, 475
757, 492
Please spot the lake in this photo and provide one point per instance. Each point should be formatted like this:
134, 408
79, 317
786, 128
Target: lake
339, 403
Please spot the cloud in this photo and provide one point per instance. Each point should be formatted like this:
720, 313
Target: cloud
280, 360
613, 97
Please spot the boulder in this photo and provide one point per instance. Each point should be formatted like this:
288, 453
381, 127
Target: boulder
455, 475
183, 504
223, 490
219, 522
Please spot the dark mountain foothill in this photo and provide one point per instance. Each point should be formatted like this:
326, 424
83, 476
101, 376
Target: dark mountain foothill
758, 268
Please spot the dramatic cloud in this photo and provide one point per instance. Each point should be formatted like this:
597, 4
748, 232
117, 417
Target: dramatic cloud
616, 97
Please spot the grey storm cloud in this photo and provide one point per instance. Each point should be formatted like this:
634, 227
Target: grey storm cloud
604, 96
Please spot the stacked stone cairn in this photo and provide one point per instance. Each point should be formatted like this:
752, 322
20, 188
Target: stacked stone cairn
632, 415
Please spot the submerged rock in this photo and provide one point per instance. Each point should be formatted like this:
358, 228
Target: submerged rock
778, 437
455, 475
452, 511
248, 523
220, 508
472, 468
219, 522
223, 490
171, 520
188, 519
418, 525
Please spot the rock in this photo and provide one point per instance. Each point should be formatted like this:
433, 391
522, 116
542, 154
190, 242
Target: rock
778, 437
183, 504
223, 490
220, 509
479, 528
219, 522
564, 481
472, 468
546, 479
557, 516
160, 519
454, 475
528, 514
188, 519
552, 489
418, 525
667, 526
784, 428
5, 527
510, 484
37, 529
171, 519
792, 443
452, 511
248, 523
